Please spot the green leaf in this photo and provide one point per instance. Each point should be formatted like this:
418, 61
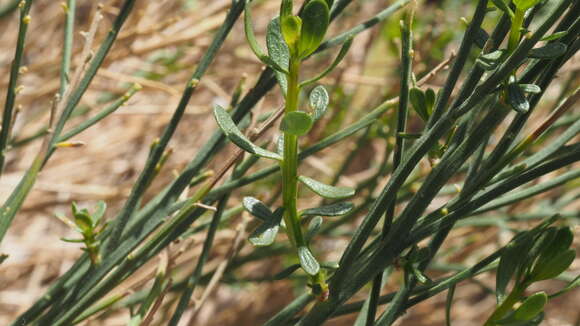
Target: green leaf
286, 8
231, 131
510, 263
99, 212
72, 240
296, 123
313, 228
554, 266
503, 6
265, 234
341, 54
561, 241
291, 28
531, 307
490, 61
307, 261
524, 5
419, 102
555, 36
278, 51
517, 99
548, 51
257, 209
325, 190
315, 20
430, 98
251, 38
83, 221
336, 209
530, 88
318, 102
286, 272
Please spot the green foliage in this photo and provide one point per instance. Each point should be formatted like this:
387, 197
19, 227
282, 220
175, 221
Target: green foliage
465, 157
231, 131
325, 190
315, 20
90, 226
296, 123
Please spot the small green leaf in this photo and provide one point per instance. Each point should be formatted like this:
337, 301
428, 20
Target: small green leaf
278, 51
530, 88
72, 240
307, 261
251, 38
318, 102
548, 51
561, 241
99, 212
315, 20
84, 222
517, 99
555, 36
419, 102
325, 190
296, 123
531, 307
336, 209
257, 209
510, 262
490, 61
286, 272
291, 27
554, 266
266, 233
430, 98
524, 5
313, 228
231, 131
503, 6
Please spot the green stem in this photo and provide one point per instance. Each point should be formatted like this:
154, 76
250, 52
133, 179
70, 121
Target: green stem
517, 23
290, 163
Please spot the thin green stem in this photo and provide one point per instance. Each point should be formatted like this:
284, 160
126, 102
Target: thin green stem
8, 114
517, 23
290, 163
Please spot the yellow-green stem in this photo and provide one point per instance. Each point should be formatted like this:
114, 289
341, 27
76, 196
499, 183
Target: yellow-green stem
290, 163
290, 170
515, 33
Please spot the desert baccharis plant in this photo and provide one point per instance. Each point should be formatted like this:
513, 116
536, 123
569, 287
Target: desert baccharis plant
291, 39
472, 150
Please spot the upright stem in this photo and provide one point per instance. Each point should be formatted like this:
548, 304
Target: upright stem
517, 23
290, 163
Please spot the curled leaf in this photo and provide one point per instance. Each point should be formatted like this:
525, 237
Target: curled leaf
319, 102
